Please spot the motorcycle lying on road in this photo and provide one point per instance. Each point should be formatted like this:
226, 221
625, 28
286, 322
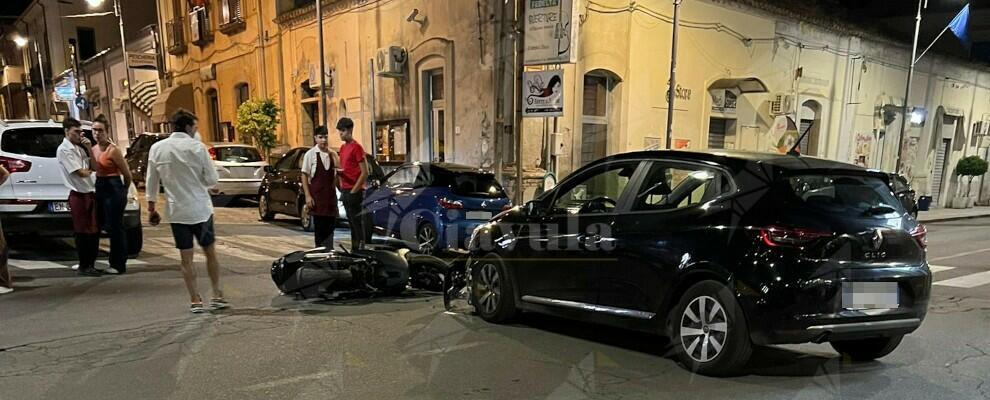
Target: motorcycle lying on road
384, 266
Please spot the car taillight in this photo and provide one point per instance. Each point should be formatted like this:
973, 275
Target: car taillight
15, 165
791, 237
920, 235
213, 153
451, 204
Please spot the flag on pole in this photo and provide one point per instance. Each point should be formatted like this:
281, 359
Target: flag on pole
960, 25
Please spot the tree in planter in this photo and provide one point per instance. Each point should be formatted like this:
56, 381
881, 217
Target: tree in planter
257, 121
971, 167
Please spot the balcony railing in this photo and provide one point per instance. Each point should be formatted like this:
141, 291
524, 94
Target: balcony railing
176, 39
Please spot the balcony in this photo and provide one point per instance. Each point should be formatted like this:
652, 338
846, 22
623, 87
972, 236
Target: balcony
175, 37
231, 17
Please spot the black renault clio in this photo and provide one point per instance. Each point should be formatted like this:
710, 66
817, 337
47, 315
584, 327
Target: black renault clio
718, 251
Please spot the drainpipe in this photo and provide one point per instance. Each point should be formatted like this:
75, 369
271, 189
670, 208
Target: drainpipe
516, 97
261, 45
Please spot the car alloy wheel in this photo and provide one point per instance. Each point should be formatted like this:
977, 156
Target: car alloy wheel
426, 236
264, 209
489, 288
703, 329
305, 219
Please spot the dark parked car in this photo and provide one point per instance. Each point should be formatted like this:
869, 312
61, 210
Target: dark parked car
137, 153
281, 190
899, 185
435, 205
718, 251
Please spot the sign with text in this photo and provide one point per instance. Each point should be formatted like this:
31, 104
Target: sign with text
543, 93
551, 35
142, 60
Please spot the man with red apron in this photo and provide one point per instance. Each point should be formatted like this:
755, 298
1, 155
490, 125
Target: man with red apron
319, 182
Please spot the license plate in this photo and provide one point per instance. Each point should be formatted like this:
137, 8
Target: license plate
485, 215
869, 295
58, 206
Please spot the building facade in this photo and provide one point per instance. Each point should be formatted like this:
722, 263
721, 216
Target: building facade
53, 37
753, 78
415, 76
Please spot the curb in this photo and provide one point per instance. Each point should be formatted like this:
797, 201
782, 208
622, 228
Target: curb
946, 219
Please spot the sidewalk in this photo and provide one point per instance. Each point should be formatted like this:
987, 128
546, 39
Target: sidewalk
950, 214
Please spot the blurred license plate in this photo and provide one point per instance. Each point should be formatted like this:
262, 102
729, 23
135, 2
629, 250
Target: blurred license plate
58, 206
869, 295
485, 215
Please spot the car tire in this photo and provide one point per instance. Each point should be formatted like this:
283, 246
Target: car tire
264, 208
707, 318
427, 238
492, 292
135, 241
867, 349
305, 220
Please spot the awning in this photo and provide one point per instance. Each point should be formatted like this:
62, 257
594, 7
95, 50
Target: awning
145, 95
744, 85
171, 100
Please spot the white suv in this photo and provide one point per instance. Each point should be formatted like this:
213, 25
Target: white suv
34, 201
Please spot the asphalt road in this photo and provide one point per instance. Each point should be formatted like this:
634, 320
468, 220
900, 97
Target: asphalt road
132, 337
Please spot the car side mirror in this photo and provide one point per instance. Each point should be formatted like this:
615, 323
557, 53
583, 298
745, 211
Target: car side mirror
533, 208
375, 182
269, 169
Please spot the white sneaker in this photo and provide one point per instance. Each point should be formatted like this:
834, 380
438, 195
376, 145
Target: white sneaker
110, 271
5, 290
75, 267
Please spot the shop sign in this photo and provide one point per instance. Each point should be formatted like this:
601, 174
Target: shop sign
142, 60
551, 34
543, 94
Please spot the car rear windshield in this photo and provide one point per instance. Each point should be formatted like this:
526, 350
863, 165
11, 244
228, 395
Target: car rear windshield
238, 154
473, 184
847, 194
34, 142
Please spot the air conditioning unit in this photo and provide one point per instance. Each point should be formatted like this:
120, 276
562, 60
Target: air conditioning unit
390, 62
781, 104
208, 73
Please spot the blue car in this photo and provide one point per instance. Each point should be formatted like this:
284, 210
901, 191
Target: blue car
434, 205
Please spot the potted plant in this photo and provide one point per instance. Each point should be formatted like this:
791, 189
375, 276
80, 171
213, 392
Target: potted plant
968, 167
256, 121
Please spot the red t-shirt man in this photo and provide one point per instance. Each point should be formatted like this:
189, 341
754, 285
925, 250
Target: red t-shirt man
354, 172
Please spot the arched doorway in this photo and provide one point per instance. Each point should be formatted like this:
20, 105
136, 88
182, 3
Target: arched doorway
811, 117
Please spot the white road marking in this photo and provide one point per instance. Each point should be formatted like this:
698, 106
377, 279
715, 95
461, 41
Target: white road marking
963, 254
35, 264
130, 262
967, 281
939, 268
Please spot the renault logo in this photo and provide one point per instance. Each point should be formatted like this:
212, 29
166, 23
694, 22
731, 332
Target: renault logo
877, 239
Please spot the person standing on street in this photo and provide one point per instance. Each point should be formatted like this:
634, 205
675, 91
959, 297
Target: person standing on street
354, 172
111, 192
6, 281
77, 167
182, 165
319, 182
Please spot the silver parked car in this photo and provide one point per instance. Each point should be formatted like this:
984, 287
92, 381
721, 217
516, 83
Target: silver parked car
241, 169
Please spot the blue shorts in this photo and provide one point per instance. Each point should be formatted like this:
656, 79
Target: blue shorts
185, 234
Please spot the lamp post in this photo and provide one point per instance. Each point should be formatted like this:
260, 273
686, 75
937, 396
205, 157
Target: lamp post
127, 65
671, 92
907, 90
22, 41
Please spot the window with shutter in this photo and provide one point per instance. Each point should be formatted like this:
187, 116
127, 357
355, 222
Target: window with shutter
231, 17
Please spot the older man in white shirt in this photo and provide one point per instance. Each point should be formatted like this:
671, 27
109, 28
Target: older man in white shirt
74, 158
183, 166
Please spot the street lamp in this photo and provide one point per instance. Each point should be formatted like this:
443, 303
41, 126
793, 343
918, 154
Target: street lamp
127, 64
21, 42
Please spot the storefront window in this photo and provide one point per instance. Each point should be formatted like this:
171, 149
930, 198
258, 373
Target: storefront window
595, 116
392, 141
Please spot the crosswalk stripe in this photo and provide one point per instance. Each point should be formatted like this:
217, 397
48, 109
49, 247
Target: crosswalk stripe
967, 281
130, 262
35, 264
233, 250
957, 255
939, 268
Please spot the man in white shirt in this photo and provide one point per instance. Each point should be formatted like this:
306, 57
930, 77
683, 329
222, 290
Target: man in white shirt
75, 160
319, 183
183, 166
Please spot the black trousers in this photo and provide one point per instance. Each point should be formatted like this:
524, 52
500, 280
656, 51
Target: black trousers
323, 230
357, 217
111, 198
